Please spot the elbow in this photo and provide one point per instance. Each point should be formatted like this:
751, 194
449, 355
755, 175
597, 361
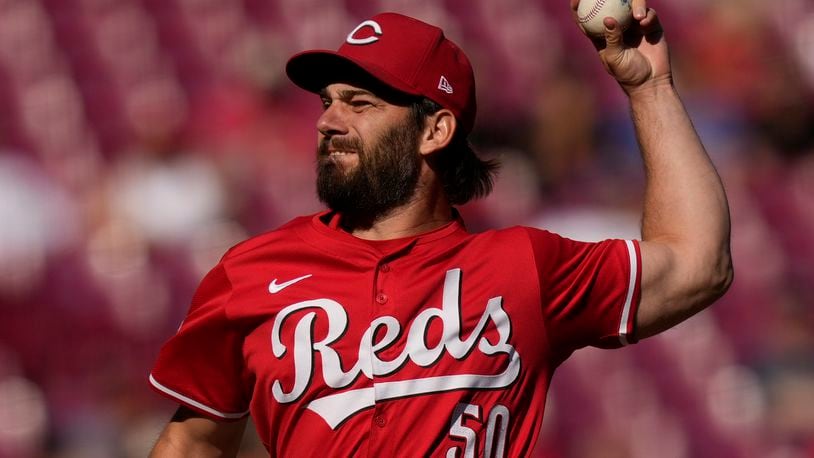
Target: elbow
729, 277
689, 288
719, 279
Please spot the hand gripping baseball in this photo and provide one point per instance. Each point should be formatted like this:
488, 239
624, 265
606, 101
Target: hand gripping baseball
637, 58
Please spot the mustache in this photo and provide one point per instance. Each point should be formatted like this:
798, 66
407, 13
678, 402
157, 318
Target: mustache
340, 143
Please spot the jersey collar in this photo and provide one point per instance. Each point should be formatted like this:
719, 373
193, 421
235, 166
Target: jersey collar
327, 234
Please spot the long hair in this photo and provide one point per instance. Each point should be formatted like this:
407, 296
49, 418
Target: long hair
463, 174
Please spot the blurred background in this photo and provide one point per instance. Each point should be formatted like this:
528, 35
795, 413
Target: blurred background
139, 139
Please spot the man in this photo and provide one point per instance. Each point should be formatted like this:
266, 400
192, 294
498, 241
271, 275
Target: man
383, 328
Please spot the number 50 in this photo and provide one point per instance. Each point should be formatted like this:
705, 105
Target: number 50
497, 424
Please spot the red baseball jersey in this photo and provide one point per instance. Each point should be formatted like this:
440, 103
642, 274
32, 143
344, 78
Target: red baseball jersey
442, 344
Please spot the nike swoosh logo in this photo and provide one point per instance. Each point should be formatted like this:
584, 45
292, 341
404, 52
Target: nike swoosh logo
275, 287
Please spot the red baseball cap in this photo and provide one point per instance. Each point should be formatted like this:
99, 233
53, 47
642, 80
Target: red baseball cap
405, 54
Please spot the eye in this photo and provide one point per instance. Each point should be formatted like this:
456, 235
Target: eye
326, 102
360, 103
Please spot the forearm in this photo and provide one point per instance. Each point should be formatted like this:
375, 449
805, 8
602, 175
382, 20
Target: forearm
189, 434
685, 217
684, 199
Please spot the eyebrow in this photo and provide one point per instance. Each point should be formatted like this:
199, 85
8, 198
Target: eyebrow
346, 94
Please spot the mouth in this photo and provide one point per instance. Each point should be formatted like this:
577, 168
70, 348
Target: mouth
339, 153
344, 159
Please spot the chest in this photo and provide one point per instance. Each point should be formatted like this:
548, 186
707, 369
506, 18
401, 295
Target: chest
336, 342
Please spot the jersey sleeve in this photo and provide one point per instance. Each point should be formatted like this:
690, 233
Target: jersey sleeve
589, 290
201, 365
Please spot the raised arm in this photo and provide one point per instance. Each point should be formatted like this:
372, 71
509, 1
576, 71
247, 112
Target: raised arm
190, 434
686, 263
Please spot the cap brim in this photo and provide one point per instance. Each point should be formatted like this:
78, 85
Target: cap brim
314, 70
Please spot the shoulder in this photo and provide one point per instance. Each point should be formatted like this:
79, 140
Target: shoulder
519, 234
524, 242
516, 242
287, 233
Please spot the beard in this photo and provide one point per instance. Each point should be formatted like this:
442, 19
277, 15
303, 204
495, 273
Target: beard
384, 178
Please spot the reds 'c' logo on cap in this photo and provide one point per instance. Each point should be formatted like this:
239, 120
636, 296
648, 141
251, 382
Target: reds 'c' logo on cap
377, 30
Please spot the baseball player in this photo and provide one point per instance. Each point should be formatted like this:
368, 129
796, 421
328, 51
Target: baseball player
381, 327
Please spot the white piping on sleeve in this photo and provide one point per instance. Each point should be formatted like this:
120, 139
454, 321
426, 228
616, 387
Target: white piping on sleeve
195, 403
634, 272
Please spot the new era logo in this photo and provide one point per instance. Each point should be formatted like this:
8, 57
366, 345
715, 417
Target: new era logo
444, 85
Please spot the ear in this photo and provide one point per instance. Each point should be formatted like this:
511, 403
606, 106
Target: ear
439, 129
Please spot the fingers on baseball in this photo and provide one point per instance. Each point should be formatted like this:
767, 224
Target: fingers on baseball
649, 20
613, 34
650, 27
639, 8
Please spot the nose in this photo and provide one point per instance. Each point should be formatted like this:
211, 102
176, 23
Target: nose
332, 122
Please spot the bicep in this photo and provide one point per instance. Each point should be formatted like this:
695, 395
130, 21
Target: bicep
191, 434
674, 287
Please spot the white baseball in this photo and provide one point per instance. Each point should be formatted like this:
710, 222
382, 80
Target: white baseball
591, 13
